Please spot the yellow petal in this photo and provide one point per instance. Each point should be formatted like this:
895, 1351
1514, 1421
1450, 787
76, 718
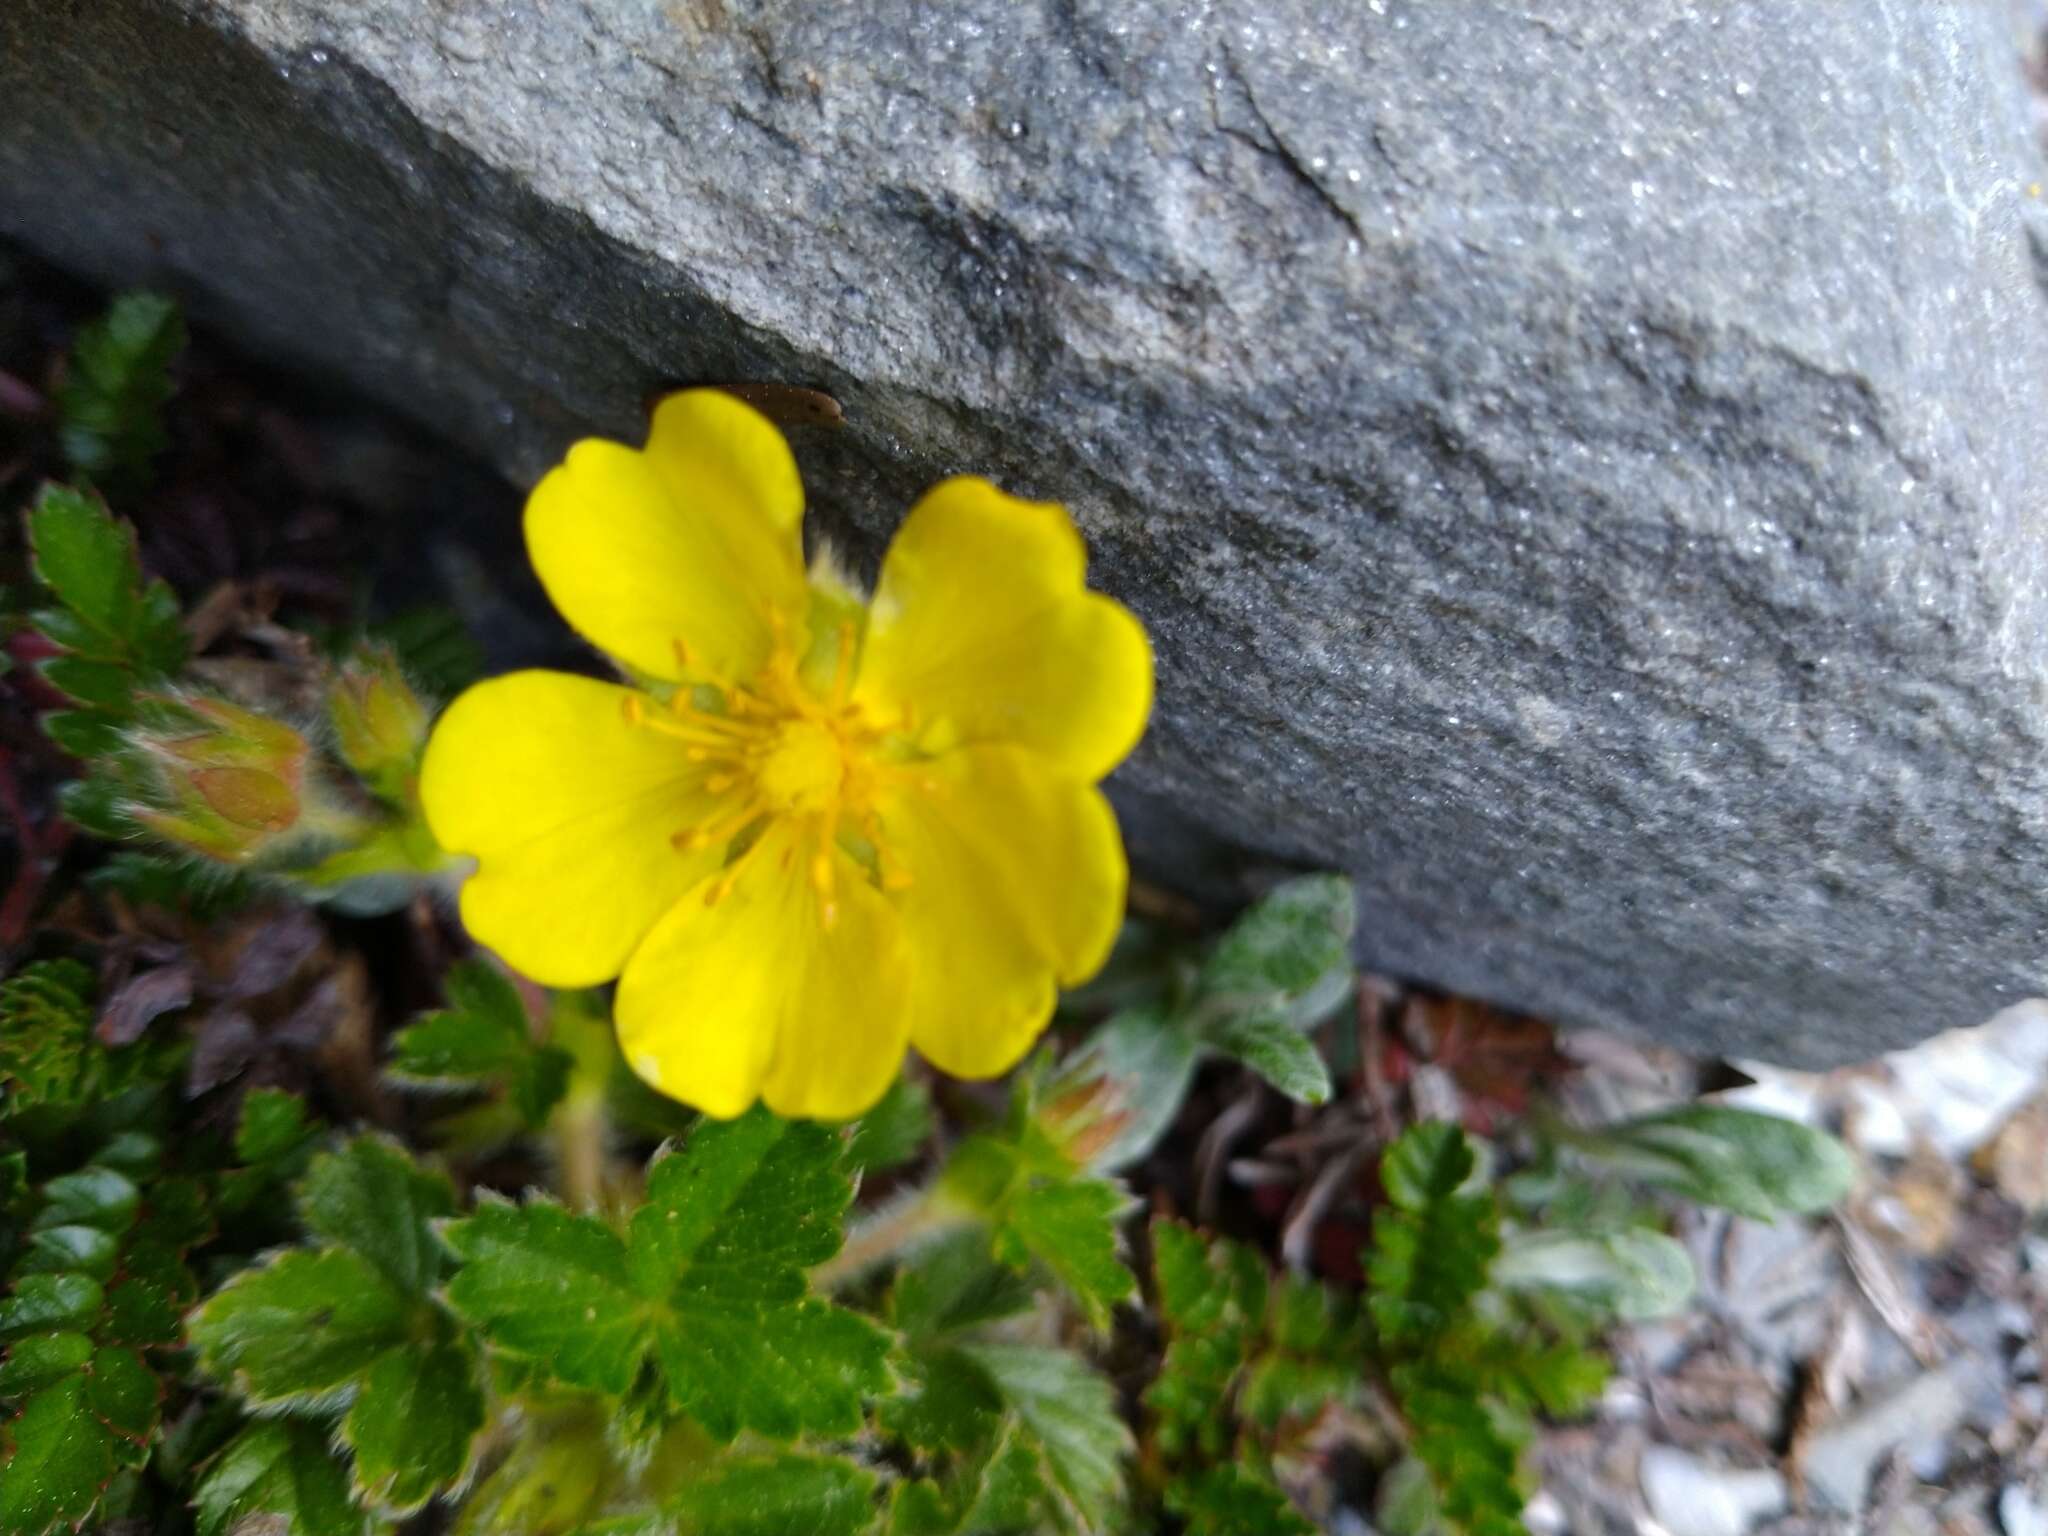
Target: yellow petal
1017, 881
983, 628
754, 997
568, 809
694, 542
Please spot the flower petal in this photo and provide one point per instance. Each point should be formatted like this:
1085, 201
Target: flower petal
695, 540
982, 626
1017, 882
755, 997
568, 809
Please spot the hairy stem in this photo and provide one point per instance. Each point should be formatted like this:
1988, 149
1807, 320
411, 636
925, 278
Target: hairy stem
894, 1231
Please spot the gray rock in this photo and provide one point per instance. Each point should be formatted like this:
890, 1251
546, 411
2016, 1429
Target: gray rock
1580, 462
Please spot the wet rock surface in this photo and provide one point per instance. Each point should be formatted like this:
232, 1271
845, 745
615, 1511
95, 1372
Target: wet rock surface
1580, 464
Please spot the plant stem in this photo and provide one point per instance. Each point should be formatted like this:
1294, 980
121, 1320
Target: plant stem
903, 1225
577, 1129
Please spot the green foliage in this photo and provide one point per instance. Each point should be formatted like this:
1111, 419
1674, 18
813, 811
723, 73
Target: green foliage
354, 1322
1249, 1363
1042, 1209
116, 382
704, 1291
1004, 1435
1467, 1367
118, 630
95, 1290
1759, 1166
483, 1040
1274, 975
283, 1469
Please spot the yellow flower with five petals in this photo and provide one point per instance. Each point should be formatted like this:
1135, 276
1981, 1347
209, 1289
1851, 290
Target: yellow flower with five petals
812, 830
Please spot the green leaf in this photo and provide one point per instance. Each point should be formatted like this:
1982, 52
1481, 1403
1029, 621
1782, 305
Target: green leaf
483, 1039
279, 1468
1234, 1500
40, 1302
1070, 1414
371, 1197
552, 1287
1132, 1075
1041, 1208
1274, 1048
300, 1329
415, 1422
46, 1023
69, 1440
777, 1495
1472, 1452
110, 616
1297, 934
1431, 1249
100, 684
116, 382
40, 1359
94, 1196
1755, 1165
953, 1285
710, 1284
274, 1140
1633, 1272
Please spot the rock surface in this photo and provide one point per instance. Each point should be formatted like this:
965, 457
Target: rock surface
1581, 463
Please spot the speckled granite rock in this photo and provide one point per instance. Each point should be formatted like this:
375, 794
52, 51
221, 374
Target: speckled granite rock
1582, 463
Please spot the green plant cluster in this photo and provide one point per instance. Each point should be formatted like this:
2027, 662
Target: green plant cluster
225, 1311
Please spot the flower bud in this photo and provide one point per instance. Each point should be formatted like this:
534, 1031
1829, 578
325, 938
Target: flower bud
380, 725
234, 780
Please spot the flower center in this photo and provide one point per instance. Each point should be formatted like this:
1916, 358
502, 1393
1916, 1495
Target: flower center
795, 770
806, 769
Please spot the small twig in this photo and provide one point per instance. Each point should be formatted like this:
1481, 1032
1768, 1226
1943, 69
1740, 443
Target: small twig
1929, 1342
1214, 1147
1313, 1203
1372, 1049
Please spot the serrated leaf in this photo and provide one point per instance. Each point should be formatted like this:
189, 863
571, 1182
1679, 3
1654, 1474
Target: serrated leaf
710, 1283
1287, 941
550, 1286
777, 1495
87, 558
1231, 1499
370, 1196
1041, 1208
282, 1469
69, 1440
1070, 1412
274, 1140
45, 1033
116, 382
952, 1285
1632, 1272
1427, 1163
483, 1039
1755, 1165
415, 1422
1280, 1053
1070, 1227
300, 1329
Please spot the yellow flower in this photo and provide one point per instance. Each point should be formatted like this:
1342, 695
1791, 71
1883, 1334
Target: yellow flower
822, 829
